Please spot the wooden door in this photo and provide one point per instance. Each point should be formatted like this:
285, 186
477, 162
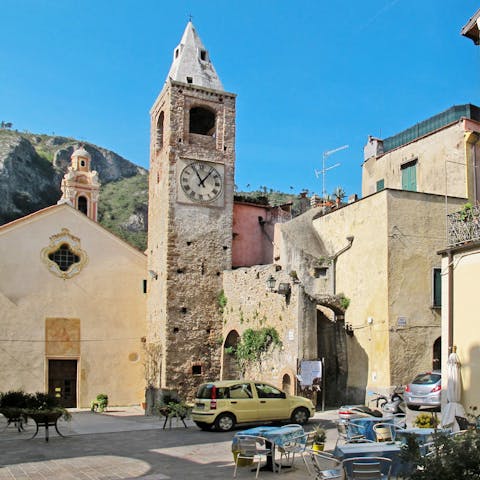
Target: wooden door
62, 381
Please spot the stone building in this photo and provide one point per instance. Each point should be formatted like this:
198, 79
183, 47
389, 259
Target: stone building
72, 301
192, 160
363, 279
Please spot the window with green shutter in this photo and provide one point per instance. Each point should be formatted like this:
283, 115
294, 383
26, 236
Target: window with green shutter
380, 184
409, 176
437, 287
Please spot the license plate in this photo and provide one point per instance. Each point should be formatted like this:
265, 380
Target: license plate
200, 406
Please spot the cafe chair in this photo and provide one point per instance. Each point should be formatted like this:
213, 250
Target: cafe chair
400, 420
323, 465
384, 432
250, 448
290, 448
367, 468
347, 434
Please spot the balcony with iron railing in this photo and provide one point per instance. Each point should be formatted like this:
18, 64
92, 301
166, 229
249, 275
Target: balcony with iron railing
464, 226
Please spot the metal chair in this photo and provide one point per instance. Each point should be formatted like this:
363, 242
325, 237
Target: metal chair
384, 432
323, 465
290, 448
345, 433
367, 468
250, 447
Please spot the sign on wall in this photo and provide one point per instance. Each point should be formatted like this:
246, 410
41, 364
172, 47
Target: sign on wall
310, 372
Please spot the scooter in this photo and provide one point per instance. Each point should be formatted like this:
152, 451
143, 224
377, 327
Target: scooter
390, 404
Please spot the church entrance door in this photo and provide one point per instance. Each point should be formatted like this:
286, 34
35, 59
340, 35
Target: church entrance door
62, 381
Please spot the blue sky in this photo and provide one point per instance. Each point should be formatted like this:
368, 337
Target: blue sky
310, 76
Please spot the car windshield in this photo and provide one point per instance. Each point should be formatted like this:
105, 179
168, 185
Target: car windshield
427, 379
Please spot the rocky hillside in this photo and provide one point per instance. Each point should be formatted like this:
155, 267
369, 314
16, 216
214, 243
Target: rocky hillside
32, 167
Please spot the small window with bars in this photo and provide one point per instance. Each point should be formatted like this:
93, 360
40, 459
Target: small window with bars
64, 257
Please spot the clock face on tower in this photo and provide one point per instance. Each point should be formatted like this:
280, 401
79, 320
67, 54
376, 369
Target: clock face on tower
201, 182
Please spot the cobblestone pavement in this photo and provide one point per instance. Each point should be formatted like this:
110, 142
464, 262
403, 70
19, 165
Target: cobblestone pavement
124, 444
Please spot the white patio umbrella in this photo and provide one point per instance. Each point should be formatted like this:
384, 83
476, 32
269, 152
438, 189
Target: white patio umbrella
454, 390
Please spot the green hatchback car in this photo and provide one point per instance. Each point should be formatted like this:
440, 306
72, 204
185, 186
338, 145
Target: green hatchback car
226, 403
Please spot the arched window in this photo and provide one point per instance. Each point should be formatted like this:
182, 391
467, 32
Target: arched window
202, 121
83, 204
159, 139
287, 384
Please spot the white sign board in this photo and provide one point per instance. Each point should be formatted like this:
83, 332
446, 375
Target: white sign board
309, 371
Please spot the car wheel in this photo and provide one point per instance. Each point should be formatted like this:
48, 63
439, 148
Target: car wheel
413, 407
204, 426
224, 422
300, 415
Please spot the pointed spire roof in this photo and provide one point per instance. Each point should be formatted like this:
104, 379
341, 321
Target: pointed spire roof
191, 62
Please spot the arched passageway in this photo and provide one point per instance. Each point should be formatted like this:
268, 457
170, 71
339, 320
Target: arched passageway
332, 347
230, 369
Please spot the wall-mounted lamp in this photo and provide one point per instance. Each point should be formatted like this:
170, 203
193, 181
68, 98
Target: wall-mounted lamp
153, 275
349, 329
271, 282
283, 288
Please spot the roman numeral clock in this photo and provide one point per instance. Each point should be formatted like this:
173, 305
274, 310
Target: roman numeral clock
202, 182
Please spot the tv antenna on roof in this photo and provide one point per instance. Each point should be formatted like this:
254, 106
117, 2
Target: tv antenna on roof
325, 169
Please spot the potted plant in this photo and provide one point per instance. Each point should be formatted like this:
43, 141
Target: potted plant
426, 420
100, 403
319, 437
43, 408
12, 407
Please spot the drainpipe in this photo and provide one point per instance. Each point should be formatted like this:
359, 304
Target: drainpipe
334, 262
450, 301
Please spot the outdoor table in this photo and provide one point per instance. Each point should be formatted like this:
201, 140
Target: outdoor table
276, 436
365, 426
421, 435
368, 449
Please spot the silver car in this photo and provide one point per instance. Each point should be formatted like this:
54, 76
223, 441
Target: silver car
424, 391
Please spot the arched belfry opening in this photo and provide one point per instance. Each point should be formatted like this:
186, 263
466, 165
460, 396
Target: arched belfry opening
159, 130
202, 121
82, 204
230, 367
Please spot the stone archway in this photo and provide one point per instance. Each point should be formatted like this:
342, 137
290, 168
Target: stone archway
287, 384
230, 368
332, 347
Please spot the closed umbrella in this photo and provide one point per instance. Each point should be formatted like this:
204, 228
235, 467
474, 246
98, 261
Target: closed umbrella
454, 391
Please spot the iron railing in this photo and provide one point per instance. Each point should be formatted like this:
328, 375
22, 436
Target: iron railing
464, 226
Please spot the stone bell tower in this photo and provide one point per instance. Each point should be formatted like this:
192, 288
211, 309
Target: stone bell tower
192, 158
80, 185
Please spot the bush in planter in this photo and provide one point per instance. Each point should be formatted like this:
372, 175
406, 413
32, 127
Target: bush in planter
100, 403
13, 404
426, 420
40, 403
319, 437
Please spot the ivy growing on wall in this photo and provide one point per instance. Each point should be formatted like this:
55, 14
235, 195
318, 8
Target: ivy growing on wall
254, 343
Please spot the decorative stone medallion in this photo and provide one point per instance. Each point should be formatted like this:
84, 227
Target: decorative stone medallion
64, 257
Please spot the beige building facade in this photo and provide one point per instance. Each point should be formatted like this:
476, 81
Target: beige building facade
438, 155
72, 306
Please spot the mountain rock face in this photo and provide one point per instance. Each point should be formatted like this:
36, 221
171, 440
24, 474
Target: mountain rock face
32, 167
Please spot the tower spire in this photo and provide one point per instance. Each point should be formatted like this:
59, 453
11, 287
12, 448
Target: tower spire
191, 62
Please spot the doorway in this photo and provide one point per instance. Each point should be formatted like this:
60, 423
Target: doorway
331, 344
62, 381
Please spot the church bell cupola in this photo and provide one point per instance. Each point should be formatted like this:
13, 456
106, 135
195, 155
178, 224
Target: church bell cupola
80, 185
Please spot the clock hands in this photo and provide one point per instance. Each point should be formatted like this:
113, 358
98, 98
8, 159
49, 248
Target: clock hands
204, 178
194, 168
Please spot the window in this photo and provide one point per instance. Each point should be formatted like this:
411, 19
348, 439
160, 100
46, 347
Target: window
203, 55
437, 287
380, 185
160, 130
242, 390
409, 176
83, 204
267, 391
196, 370
64, 257
189, 79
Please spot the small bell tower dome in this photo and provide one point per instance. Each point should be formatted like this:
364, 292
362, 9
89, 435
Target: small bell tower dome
80, 185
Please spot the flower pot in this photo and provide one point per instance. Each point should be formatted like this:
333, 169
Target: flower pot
318, 447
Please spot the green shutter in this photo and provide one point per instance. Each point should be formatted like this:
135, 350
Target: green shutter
409, 176
437, 287
380, 185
